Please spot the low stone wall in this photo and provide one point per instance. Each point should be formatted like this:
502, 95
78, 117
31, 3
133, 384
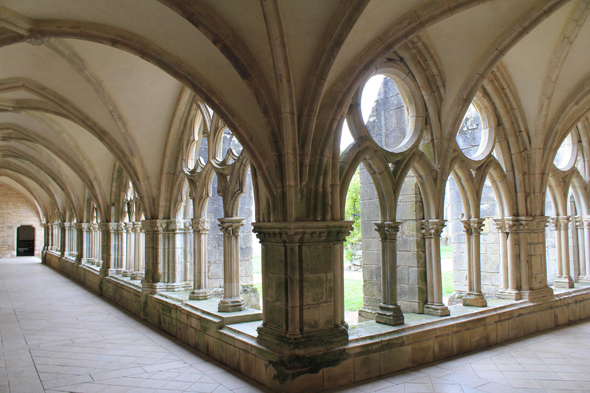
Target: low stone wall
361, 358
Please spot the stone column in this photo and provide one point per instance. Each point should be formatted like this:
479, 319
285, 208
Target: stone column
81, 242
503, 248
137, 273
474, 296
432, 230
389, 311
303, 282
231, 265
188, 251
528, 234
200, 232
565, 280
46, 239
581, 248
63, 239
164, 243
586, 222
112, 248
554, 224
129, 250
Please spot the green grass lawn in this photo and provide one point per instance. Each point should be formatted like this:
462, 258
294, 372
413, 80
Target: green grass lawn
447, 282
446, 252
353, 294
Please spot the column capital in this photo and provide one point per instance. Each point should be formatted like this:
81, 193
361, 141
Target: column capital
388, 230
112, 226
499, 224
231, 225
473, 226
298, 232
578, 222
83, 226
526, 223
128, 226
200, 225
433, 228
586, 221
163, 225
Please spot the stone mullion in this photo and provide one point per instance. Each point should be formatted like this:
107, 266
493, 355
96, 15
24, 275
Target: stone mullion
432, 230
300, 258
554, 223
63, 239
586, 224
231, 265
188, 251
389, 311
129, 250
200, 234
581, 248
475, 297
565, 280
137, 272
469, 248
502, 243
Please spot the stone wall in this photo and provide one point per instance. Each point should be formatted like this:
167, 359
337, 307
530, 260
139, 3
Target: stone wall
15, 210
387, 124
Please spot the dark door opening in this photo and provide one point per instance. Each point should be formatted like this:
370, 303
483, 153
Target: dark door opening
25, 241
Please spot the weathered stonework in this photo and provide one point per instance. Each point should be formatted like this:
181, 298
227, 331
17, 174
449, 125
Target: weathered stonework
15, 210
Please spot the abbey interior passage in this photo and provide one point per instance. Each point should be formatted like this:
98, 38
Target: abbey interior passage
313, 193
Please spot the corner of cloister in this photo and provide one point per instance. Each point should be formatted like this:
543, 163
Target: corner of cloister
312, 194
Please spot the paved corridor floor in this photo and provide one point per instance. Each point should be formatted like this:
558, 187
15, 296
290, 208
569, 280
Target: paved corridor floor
58, 337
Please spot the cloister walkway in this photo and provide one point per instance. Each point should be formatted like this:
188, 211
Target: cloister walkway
58, 337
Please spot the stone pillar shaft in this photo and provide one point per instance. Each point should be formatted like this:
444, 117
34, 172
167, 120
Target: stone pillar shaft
301, 258
231, 265
164, 252
586, 221
474, 297
581, 248
200, 234
112, 247
432, 230
389, 311
129, 250
565, 279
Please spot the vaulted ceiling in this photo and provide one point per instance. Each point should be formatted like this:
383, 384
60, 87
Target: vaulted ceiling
86, 84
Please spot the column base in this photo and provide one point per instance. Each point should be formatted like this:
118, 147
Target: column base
231, 305
199, 294
456, 298
284, 342
127, 273
153, 288
508, 294
136, 275
365, 314
475, 300
438, 310
584, 279
389, 315
536, 295
564, 282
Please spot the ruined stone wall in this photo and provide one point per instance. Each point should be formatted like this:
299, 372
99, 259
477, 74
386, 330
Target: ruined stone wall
387, 125
15, 211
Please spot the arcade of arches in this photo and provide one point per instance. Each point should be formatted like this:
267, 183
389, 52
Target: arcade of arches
193, 161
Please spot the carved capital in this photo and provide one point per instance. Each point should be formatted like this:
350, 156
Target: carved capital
200, 225
302, 232
163, 225
82, 226
112, 227
433, 228
473, 226
526, 224
499, 224
388, 230
230, 226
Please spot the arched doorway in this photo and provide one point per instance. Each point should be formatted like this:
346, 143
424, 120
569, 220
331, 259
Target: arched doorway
25, 241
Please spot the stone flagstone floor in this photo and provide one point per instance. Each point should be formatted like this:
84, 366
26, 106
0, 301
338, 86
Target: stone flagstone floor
58, 337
